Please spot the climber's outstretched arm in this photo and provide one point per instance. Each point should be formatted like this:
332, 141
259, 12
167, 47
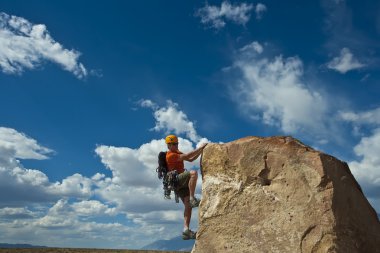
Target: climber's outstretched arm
193, 155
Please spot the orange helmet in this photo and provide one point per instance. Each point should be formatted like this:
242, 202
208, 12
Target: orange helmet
170, 139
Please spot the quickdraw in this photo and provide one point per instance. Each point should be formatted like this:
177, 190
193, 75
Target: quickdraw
172, 184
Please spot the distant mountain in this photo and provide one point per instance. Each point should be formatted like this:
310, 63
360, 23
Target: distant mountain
174, 244
19, 246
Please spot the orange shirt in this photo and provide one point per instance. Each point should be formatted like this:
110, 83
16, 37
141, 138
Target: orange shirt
172, 159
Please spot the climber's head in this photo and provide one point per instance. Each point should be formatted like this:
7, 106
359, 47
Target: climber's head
172, 142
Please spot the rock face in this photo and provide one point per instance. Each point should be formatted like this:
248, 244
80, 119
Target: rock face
278, 195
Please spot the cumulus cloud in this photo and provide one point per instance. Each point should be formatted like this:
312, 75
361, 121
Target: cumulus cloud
164, 217
75, 185
24, 147
24, 45
128, 165
63, 225
132, 190
273, 90
80, 203
135, 190
171, 119
92, 208
25, 195
345, 62
20, 185
134, 186
16, 213
216, 17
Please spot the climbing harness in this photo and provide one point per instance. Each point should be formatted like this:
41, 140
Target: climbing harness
169, 178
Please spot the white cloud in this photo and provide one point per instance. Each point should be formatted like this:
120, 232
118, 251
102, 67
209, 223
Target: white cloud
147, 103
366, 170
92, 208
172, 120
216, 16
339, 26
24, 45
157, 216
59, 216
274, 90
127, 167
74, 186
366, 167
134, 186
260, 9
345, 62
65, 225
367, 117
254, 47
16, 213
19, 185
24, 147
133, 190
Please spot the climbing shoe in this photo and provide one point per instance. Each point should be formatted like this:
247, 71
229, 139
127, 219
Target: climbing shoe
188, 234
194, 202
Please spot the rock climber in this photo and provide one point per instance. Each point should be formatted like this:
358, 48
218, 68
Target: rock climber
187, 180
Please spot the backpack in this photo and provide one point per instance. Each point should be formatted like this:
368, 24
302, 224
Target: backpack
162, 168
169, 179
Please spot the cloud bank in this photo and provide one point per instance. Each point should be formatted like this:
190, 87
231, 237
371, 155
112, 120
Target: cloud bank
19, 185
24, 45
34, 208
132, 194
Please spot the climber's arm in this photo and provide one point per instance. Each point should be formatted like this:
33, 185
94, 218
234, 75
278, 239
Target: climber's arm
193, 155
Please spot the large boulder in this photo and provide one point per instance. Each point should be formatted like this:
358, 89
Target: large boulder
278, 195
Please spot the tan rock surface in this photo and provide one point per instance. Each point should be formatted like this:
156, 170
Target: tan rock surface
278, 195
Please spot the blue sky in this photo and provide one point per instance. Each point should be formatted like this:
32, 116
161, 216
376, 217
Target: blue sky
88, 91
